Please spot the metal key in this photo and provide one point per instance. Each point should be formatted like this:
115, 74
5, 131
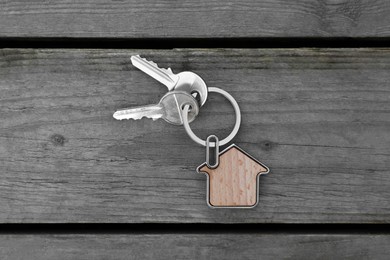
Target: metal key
169, 108
184, 81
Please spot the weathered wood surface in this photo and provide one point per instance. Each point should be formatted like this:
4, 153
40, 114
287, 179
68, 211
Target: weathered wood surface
319, 118
195, 19
194, 246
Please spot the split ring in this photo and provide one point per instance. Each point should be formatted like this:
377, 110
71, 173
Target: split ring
225, 141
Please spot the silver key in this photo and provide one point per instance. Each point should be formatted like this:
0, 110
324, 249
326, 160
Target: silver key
169, 108
184, 81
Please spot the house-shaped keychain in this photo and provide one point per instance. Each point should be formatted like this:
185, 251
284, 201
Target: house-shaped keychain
235, 181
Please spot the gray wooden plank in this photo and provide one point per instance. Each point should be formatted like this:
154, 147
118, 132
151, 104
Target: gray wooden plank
195, 246
319, 118
194, 19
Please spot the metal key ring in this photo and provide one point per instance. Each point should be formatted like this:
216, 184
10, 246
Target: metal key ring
195, 138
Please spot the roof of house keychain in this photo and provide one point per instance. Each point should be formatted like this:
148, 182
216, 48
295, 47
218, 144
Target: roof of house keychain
233, 180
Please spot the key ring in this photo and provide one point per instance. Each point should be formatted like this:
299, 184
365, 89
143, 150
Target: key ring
232, 174
223, 142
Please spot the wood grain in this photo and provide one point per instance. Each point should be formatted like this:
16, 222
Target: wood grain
194, 246
320, 118
234, 182
194, 19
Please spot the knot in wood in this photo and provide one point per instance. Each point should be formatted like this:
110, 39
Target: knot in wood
57, 140
267, 145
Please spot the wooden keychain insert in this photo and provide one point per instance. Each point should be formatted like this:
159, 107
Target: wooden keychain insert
233, 178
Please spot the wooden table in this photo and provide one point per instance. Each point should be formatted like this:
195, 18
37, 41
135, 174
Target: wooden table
316, 110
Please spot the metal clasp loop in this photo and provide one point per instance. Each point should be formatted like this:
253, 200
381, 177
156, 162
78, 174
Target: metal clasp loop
216, 152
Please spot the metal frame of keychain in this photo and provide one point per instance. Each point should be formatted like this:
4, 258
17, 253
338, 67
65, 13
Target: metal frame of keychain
229, 191
233, 179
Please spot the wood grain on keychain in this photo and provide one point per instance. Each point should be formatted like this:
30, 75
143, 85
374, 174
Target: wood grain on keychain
234, 182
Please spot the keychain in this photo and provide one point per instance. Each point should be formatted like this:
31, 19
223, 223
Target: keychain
233, 177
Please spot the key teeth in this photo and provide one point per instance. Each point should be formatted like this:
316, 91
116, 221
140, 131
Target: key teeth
169, 70
149, 61
137, 118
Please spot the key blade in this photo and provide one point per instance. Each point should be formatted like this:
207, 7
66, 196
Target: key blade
154, 112
164, 76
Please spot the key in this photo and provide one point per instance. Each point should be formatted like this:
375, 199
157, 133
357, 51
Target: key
184, 81
169, 108
164, 76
